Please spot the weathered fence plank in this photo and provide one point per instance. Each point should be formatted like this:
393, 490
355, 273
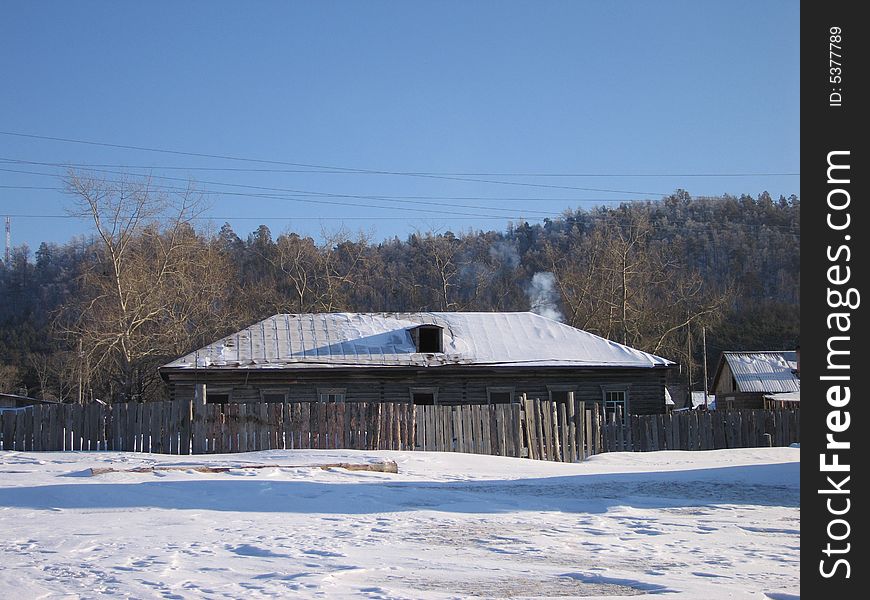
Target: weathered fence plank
571, 432
535, 429
21, 429
7, 427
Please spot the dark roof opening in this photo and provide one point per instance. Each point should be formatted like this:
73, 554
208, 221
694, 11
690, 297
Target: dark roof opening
428, 338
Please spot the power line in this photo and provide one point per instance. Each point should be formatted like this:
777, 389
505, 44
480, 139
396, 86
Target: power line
303, 198
325, 167
283, 197
380, 197
290, 193
457, 174
286, 218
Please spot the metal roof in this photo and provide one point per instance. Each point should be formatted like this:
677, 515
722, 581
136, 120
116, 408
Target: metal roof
384, 339
764, 371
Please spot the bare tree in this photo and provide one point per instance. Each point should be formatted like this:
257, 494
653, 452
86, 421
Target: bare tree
617, 281
147, 285
62, 375
311, 277
9, 378
342, 261
296, 259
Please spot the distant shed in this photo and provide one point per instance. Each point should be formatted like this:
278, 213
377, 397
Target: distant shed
18, 401
743, 379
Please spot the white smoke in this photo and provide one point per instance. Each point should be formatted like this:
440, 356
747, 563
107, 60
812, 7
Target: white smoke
505, 254
544, 297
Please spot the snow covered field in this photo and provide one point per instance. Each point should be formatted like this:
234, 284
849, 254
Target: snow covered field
706, 525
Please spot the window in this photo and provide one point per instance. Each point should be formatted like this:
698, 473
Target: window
559, 392
331, 394
427, 338
426, 396
615, 403
273, 396
218, 395
500, 395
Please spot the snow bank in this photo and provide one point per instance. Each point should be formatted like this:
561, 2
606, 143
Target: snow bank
690, 524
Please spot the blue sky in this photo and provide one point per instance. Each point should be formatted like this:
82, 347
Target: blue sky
619, 88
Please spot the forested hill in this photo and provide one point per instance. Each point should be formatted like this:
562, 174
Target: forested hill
107, 310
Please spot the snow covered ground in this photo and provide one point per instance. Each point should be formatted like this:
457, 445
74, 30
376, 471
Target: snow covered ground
705, 525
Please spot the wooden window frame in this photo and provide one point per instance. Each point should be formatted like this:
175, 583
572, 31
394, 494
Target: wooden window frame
501, 389
561, 387
622, 388
423, 390
331, 391
278, 391
415, 336
218, 390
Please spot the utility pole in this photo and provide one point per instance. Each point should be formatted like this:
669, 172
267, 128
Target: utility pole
689, 358
704, 344
81, 358
8, 240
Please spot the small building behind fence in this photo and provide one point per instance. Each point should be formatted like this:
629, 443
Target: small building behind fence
744, 379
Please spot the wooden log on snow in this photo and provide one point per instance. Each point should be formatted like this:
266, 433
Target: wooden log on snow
388, 466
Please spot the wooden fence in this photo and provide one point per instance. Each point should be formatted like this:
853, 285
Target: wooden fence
303, 425
532, 428
700, 430
162, 427
180, 428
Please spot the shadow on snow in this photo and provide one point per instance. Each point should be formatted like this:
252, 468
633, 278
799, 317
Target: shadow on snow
577, 493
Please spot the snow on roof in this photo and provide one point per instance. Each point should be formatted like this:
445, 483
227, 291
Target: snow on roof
384, 339
764, 371
698, 400
784, 397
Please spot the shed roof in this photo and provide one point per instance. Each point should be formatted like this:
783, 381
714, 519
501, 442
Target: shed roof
325, 340
769, 371
784, 397
25, 400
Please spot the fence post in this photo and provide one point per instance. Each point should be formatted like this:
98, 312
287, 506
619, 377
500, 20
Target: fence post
595, 444
571, 434
553, 407
567, 446
529, 426
200, 398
